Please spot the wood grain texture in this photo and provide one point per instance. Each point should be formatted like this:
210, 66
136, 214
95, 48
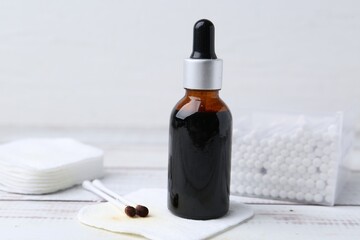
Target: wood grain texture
125, 180
299, 222
27, 220
58, 211
31, 217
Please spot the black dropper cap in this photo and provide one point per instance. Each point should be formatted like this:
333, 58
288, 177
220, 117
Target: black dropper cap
204, 40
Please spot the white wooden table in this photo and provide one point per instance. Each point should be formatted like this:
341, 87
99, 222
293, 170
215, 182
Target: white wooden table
133, 163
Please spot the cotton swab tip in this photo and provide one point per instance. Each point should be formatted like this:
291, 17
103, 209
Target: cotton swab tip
142, 211
130, 211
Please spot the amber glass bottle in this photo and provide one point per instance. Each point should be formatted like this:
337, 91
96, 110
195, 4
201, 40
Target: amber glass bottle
200, 136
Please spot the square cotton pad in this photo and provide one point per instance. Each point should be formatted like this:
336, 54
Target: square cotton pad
160, 223
38, 166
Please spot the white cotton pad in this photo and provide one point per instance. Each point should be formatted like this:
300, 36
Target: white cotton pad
160, 223
38, 166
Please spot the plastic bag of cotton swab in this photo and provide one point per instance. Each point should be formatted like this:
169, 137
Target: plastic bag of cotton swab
290, 156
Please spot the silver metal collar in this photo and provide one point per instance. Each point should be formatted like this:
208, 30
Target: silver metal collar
203, 74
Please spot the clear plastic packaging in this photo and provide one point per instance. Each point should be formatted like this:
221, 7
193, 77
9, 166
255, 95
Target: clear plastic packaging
290, 156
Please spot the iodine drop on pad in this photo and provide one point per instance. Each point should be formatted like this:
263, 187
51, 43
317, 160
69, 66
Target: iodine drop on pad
39, 166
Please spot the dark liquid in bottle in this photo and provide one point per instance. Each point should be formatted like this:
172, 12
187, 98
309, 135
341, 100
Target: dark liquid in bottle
199, 164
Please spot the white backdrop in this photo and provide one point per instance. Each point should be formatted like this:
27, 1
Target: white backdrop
118, 64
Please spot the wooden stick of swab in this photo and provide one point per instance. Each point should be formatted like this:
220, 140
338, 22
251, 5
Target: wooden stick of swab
129, 210
142, 211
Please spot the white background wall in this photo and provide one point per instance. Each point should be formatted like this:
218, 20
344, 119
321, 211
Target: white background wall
118, 64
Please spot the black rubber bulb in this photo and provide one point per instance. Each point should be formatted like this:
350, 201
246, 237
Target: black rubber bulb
204, 40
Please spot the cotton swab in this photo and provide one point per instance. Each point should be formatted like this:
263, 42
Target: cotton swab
142, 211
129, 210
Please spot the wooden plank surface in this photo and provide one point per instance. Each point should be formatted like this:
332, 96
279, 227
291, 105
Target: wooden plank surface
131, 166
38, 217
40, 220
125, 180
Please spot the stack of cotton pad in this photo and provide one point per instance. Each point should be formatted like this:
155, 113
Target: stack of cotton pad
289, 157
38, 166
